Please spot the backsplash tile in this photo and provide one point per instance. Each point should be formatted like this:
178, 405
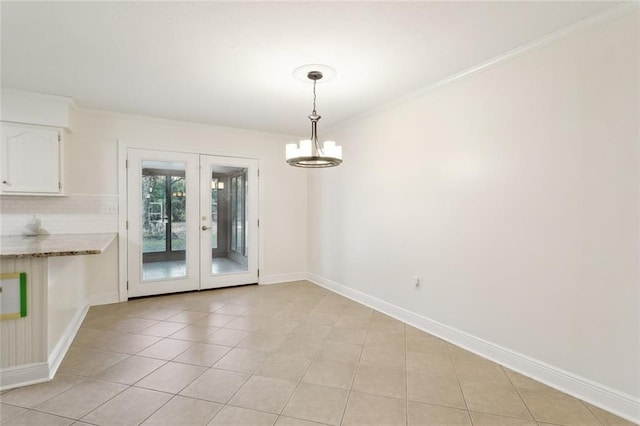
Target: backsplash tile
73, 204
60, 215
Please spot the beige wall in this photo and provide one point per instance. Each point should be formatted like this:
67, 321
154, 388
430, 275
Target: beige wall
92, 185
67, 285
92, 168
513, 194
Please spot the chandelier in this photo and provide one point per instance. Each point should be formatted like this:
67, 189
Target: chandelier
309, 154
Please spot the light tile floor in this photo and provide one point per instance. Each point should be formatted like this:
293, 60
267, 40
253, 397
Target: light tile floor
178, 268
286, 354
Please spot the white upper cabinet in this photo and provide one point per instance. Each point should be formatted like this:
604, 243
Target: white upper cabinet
31, 161
31, 150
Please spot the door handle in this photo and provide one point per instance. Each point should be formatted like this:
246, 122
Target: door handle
205, 227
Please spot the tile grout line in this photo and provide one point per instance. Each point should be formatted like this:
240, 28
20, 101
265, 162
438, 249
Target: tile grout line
212, 366
302, 376
48, 414
91, 411
129, 386
226, 404
593, 413
519, 394
254, 374
142, 378
166, 320
464, 398
406, 376
344, 412
529, 410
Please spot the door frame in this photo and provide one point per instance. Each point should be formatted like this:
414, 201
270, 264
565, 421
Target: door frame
123, 147
207, 279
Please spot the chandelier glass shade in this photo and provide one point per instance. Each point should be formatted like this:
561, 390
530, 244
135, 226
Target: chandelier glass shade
308, 153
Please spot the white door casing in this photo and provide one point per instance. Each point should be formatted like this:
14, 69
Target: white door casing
198, 254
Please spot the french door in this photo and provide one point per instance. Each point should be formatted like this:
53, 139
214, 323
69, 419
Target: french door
192, 222
229, 221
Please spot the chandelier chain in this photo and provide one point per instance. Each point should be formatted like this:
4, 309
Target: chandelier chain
314, 97
314, 121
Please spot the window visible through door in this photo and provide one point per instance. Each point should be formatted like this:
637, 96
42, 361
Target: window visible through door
229, 216
164, 229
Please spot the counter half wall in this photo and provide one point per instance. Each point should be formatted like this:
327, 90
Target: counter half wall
57, 273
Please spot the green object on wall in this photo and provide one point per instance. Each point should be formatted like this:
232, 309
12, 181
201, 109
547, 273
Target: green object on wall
23, 294
13, 295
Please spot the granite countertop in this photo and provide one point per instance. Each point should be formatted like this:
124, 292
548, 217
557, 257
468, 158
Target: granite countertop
17, 246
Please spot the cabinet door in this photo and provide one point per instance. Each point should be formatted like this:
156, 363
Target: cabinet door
30, 159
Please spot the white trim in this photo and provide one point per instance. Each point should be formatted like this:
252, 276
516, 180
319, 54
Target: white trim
512, 54
611, 400
106, 298
282, 278
182, 150
80, 195
182, 123
122, 222
56, 355
25, 107
23, 375
41, 95
29, 374
261, 223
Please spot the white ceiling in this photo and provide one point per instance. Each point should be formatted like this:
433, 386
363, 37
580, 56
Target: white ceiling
231, 63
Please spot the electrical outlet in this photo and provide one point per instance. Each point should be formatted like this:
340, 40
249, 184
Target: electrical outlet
111, 207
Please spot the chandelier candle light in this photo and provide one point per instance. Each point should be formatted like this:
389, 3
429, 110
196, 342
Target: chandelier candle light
309, 154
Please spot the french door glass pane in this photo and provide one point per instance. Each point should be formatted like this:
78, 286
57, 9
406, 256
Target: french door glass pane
153, 209
228, 219
163, 220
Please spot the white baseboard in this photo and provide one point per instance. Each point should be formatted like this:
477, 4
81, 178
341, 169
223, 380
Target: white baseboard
283, 278
60, 349
23, 375
616, 402
103, 298
29, 374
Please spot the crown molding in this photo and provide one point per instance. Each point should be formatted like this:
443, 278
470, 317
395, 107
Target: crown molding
539, 43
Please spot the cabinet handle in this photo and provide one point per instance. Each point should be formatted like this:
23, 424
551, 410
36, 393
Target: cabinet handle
205, 227
6, 183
